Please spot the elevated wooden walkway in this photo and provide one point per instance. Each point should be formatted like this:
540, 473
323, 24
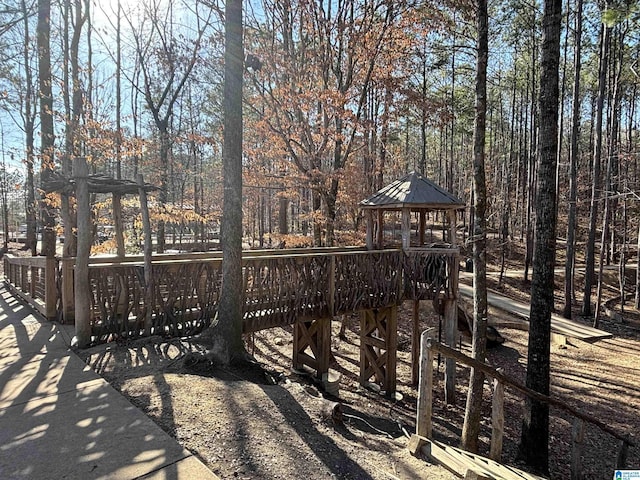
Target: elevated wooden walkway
559, 324
461, 462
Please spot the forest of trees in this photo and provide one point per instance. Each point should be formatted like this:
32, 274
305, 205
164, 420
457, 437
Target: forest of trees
339, 98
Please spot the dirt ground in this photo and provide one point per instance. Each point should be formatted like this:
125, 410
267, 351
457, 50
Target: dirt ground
265, 421
272, 423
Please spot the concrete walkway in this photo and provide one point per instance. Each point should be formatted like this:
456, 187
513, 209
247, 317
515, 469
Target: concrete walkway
60, 420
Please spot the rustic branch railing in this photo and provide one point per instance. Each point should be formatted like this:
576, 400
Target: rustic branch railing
34, 280
281, 287
430, 347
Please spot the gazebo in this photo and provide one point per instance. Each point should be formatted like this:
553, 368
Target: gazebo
412, 193
415, 194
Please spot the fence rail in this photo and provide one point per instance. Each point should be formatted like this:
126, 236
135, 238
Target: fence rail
34, 279
430, 347
281, 287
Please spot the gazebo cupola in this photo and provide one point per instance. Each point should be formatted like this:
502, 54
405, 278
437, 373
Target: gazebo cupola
413, 193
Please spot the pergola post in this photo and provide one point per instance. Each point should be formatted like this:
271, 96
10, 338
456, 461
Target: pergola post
81, 276
380, 229
406, 228
370, 226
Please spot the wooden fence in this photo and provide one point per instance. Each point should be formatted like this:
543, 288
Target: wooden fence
34, 279
281, 287
429, 349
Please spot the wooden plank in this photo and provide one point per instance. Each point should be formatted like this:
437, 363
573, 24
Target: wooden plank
425, 386
577, 446
460, 461
497, 420
558, 324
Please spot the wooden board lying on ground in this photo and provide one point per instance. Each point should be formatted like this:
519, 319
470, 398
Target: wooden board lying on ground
559, 325
461, 462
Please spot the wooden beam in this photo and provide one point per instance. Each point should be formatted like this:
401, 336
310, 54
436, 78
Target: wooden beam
415, 344
81, 275
425, 386
406, 228
50, 289
148, 249
524, 390
577, 446
497, 420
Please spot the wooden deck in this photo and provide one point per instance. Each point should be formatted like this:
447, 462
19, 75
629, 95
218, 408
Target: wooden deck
559, 324
460, 462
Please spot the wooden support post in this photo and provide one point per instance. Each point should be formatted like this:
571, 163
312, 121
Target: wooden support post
66, 270
425, 387
422, 227
497, 420
450, 329
370, 228
577, 445
81, 277
33, 281
380, 230
148, 274
415, 344
24, 278
312, 346
406, 228
379, 346
50, 289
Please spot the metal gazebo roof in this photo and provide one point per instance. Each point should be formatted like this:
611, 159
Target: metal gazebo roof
414, 191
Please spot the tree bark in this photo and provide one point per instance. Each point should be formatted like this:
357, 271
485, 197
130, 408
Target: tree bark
471, 427
227, 331
573, 168
47, 134
29, 132
534, 444
596, 181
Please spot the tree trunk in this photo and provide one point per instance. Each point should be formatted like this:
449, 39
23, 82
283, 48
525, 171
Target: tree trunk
573, 169
227, 332
534, 444
47, 134
29, 132
471, 428
595, 184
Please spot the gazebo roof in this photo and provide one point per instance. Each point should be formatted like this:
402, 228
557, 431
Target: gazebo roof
414, 191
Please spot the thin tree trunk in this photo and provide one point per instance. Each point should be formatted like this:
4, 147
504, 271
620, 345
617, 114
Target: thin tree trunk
595, 184
47, 139
471, 428
29, 132
573, 169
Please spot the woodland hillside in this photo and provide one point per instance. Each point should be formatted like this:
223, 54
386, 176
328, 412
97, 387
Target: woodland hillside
172, 125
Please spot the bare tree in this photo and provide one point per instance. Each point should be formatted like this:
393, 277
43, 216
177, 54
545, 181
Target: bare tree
534, 443
47, 135
166, 65
226, 333
472, 416
573, 167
